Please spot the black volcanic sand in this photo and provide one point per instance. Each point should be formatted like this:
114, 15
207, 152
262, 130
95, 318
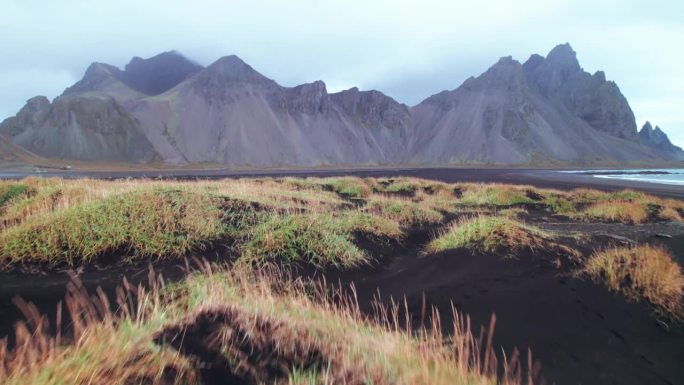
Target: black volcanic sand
579, 331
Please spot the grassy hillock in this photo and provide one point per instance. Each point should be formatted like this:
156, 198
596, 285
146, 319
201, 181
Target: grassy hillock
256, 327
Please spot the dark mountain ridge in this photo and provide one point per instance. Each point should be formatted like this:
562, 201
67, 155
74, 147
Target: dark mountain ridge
167, 108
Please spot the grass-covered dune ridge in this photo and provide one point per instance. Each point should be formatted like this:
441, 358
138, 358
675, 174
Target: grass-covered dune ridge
58, 222
495, 234
626, 206
261, 327
641, 272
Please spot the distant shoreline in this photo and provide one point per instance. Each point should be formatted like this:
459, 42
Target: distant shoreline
544, 178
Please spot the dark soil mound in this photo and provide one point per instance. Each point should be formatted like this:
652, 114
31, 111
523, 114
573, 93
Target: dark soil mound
581, 333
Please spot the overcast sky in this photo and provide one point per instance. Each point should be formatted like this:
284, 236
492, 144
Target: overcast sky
407, 49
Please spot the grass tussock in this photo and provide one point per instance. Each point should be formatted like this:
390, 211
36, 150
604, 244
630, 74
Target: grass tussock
148, 223
12, 190
348, 187
617, 211
641, 273
251, 327
492, 234
404, 211
321, 239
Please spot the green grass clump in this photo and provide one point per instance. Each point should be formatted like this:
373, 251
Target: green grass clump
399, 186
348, 187
145, 223
406, 212
321, 239
559, 205
9, 191
489, 234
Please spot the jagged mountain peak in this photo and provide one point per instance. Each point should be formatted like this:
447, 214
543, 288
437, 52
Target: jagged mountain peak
647, 127
317, 86
158, 73
564, 56
233, 68
656, 138
560, 78
98, 77
38, 102
652, 134
533, 62
150, 76
164, 56
506, 71
217, 79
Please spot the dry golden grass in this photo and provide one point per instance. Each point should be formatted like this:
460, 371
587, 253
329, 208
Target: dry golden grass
641, 273
261, 327
617, 211
107, 347
626, 206
670, 213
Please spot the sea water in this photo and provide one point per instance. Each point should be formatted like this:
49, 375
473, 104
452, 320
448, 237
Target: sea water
662, 176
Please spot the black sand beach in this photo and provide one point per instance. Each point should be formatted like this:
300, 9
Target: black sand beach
580, 332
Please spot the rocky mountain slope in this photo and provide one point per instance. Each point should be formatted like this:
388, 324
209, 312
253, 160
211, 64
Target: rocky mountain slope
543, 111
231, 114
169, 109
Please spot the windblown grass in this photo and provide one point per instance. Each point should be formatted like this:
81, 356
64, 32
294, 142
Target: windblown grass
641, 273
107, 346
253, 327
492, 234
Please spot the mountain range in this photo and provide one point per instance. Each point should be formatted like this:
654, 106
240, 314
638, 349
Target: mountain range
168, 109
